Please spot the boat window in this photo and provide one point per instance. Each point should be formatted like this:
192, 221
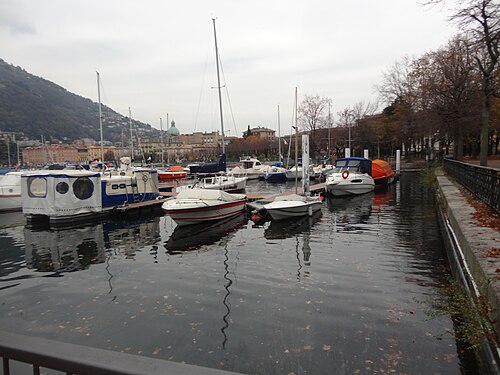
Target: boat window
123, 186
37, 187
83, 188
62, 187
114, 186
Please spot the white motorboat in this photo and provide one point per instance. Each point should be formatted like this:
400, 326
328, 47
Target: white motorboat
251, 168
289, 206
351, 176
193, 206
10, 192
294, 172
219, 182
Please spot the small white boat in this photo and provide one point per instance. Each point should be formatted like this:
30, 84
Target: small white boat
193, 206
294, 171
10, 192
220, 182
289, 206
351, 176
251, 168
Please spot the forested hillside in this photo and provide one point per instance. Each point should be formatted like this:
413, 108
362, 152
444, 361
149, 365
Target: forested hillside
37, 107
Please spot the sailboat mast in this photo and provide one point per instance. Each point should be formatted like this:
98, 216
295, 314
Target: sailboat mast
100, 117
161, 140
131, 135
219, 87
279, 135
296, 144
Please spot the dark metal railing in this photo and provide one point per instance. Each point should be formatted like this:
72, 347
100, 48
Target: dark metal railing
483, 182
76, 359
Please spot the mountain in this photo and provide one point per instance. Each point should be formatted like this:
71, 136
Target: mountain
37, 107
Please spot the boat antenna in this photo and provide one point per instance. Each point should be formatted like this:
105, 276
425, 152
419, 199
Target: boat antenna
100, 117
219, 87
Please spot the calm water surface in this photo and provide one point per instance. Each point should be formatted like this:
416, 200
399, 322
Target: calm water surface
342, 292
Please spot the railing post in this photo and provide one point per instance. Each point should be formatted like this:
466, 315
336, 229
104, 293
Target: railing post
6, 370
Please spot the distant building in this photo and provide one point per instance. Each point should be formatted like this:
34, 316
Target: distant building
265, 133
48, 154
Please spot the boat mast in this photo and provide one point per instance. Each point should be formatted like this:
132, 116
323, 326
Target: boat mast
329, 133
219, 87
296, 144
131, 135
100, 118
279, 136
161, 140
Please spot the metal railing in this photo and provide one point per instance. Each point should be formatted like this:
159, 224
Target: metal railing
76, 359
482, 182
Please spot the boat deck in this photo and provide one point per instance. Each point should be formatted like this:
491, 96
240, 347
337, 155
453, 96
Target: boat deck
265, 197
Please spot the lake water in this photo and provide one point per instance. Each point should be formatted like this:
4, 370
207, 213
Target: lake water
343, 292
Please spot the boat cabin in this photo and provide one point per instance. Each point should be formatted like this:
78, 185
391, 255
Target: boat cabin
353, 164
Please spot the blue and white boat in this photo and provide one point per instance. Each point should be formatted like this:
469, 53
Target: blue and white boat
276, 174
71, 195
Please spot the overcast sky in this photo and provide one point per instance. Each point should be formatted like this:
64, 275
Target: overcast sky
158, 57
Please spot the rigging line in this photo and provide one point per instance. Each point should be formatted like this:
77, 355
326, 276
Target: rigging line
202, 84
227, 94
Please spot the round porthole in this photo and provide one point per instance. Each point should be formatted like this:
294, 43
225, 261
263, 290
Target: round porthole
62, 187
83, 188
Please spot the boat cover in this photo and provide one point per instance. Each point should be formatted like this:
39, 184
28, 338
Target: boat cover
381, 169
364, 165
175, 168
61, 193
220, 166
209, 194
290, 197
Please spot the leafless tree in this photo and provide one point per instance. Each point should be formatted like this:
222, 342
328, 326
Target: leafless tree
481, 20
313, 114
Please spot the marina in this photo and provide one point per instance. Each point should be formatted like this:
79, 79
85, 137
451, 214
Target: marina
348, 288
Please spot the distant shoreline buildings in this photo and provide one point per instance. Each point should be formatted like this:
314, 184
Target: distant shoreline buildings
171, 144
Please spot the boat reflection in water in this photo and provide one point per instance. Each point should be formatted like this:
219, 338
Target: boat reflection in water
77, 249
193, 237
350, 212
278, 230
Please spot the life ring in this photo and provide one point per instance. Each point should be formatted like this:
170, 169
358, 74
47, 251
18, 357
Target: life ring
345, 174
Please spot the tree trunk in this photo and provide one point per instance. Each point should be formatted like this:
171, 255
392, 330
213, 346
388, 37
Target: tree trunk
485, 116
460, 144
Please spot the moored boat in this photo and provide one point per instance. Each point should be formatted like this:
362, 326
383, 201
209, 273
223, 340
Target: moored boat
382, 173
293, 205
351, 176
275, 174
172, 172
218, 182
193, 206
251, 168
10, 192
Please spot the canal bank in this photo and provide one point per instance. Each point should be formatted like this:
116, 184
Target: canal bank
473, 251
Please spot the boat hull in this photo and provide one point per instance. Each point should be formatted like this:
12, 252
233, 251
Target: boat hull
10, 203
290, 209
355, 184
190, 213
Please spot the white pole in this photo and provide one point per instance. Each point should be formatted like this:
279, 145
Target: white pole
398, 161
365, 154
347, 152
219, 87
305, 164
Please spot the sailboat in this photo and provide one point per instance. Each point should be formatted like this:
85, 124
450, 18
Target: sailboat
294, 205
277, 173
197, 205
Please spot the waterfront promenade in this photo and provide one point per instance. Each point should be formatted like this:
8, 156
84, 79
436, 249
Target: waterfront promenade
477, 238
